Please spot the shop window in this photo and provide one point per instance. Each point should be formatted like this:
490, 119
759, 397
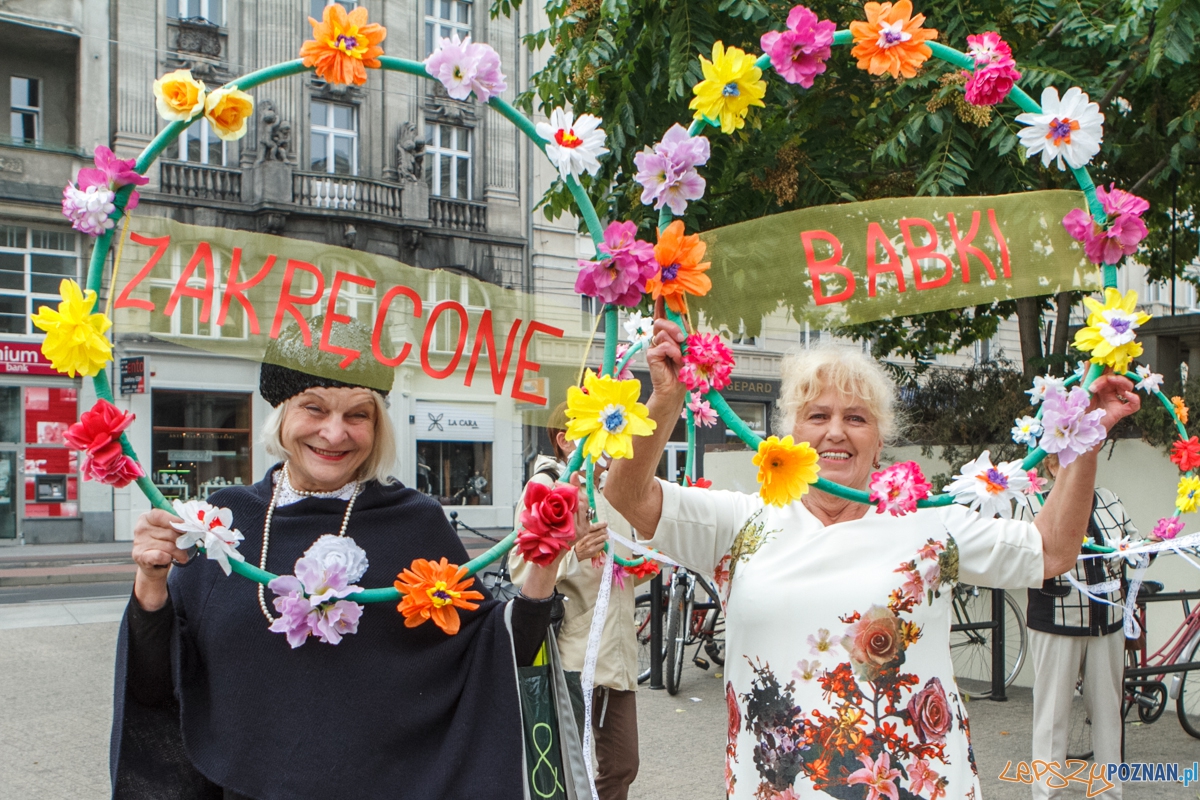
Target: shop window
456, 473
51, 468
753, 414
672, 463
33, 263
201, 442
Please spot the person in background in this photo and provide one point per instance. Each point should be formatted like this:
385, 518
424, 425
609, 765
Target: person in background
614, 705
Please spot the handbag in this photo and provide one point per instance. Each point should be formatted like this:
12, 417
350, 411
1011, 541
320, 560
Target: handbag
553, 728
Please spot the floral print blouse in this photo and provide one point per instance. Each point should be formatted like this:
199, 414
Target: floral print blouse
838, 674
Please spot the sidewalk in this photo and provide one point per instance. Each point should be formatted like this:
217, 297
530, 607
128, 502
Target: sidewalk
45, 564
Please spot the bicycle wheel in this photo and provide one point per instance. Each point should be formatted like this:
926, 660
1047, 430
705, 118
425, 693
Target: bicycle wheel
1079, 729
971, 650
714, 640
678, 613
641, 626
1187, 703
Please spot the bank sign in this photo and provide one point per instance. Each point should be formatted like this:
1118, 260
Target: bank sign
24, 358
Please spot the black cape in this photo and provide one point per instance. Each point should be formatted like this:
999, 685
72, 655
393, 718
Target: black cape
390, 712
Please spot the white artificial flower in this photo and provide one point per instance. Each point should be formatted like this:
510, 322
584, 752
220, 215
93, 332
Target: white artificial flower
574, 145
1119, 326
1150, 381
221, 544
639, 328
1026, 431
1069, 130
989, 488
1040, 386
332, 550
198, 518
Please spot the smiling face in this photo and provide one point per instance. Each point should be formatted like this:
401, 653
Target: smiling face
330, 434
845, 435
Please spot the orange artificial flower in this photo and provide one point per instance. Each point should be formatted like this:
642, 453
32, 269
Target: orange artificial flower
680, 270
343, 45
891, 40
1181, 410
432, 591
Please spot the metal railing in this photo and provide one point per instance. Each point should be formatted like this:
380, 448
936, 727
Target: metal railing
342, 193
457, 215
200, 181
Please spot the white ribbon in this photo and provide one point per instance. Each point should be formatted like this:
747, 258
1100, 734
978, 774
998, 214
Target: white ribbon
1191, 540
642, 550
1132, 629
588, 679
1129, 622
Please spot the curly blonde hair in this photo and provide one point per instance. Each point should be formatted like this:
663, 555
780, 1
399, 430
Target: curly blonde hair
805, 375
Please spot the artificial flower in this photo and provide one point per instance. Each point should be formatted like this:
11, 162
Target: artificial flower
98, 434
1111, 330
111, 173
573, 145
607, 412
995, 71
987, 48
891, 40
178, 95
1070, 429
681, 272
1167, 528
1042, 384
647, 568
707, 363
897, 489
699, 483
339, 551
1186, 454
1069, 130
210, 527
464, 67
1181, 410
1036, 484
227, 110
433, 591
75, 341
667, 172
702, 411
639, 328
1118, 202
799, 53
89, 210
987, 488
626, 374
1124, 545
620, 279
1119, 236
547, 522
929, 712
313, 602
1150, 382
1026, 431
343, 45
732, 83
118, 470
1187, 497
878, 776
785, 469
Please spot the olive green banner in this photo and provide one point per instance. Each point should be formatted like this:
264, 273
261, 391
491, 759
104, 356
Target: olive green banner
860, 262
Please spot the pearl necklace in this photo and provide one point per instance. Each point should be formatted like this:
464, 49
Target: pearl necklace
286, 479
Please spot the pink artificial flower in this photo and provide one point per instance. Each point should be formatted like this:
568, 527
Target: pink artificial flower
667, 173
112, 173
488, 81
921, 778
988, 48
702, 412
626, 373
1070, 429
89, 209
1167, 528
898, 488
913, 585
1122, 235
988, 86
708, 363
878, 776
547, 522
621, 278
1036, 484
1117, 201
454, 63
118, 471
799, 53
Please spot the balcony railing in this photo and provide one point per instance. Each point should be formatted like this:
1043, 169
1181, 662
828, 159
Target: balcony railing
200, 181
458, 215
341, 193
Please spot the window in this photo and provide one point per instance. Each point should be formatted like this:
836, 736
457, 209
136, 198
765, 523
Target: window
753, 414
51, 467
741, 338
33, 263
812, 336
209, 10
198, 144
443, 18
26, 100
201, 442
456, 473
316, 8
354, 300
334, 139
450, 154
591, 308
185, 317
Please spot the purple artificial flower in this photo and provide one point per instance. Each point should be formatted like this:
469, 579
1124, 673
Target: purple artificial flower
621, 278
336, 620
1070, 429
295, 612
88, 209
488, 80
311, 603
454, 63
799, 53
667, 172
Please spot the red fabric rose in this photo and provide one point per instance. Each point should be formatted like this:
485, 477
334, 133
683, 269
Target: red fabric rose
116, 469
874, 642
98, 434
547, 522
1186, 455
647, 569
699, 483
929, 712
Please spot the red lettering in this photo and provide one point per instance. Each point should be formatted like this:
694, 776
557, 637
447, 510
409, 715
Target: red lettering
205, 295
381, 321
818, 268
524, 363
484, 335
288, 301
160, 245
1004, 265
332, 316
876, 237
916, 254
236, 290
448, 370
962, 245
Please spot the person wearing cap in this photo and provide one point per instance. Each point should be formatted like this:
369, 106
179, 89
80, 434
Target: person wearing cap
211, 703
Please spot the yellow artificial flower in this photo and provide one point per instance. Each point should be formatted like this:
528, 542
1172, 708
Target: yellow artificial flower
178, 95
1111, 331
1181, 410
1188, 498
785, 469
731, 85
75, 341
608, 414
227, 110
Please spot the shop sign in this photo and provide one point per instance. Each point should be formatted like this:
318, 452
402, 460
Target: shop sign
190, 455
453, 422
752, 387
24, 358
133, 375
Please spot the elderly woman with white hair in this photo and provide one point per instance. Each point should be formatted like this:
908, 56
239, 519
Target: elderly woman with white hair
839, 681
223, 692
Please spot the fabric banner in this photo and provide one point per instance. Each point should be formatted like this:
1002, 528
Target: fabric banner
859, 262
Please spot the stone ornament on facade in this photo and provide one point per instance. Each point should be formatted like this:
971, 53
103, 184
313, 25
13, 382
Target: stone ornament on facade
274, 135
410, 154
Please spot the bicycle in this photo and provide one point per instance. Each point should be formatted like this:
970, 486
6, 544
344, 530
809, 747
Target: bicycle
971, 640
686, 622
497, 578
1144, 682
